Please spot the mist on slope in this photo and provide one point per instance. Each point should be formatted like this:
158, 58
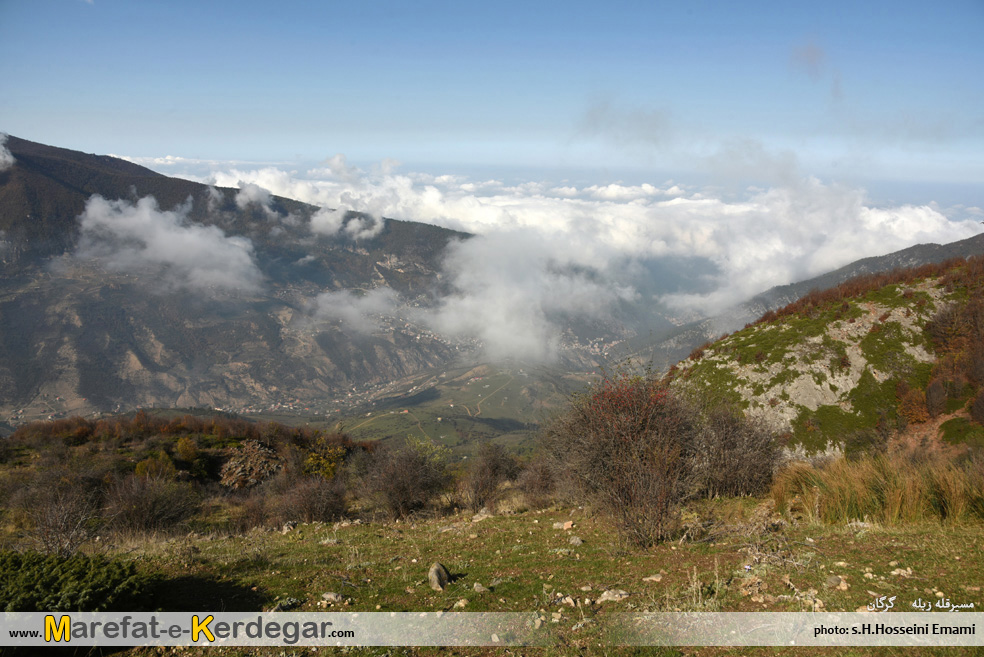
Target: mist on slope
548, 252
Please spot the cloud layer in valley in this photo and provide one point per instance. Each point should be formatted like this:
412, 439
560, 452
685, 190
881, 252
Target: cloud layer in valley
546, 251
142, 238
355, 311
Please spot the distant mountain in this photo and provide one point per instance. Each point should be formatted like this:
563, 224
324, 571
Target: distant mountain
123, 288
80, 335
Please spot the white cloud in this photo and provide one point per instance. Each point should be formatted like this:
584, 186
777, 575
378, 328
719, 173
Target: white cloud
546, 251
513, 289
6, 159
355, 311
142, 238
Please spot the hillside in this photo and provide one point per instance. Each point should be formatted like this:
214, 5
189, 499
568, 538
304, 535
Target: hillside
179, 294
666, 349
851, 366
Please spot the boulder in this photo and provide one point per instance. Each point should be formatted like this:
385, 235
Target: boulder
438, 576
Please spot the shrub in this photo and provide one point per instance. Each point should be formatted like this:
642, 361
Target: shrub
62, 512
144, 504
157, 465
733, 455
324, 458
308, 499
944, 328
187, 449
635, 449
912, 406
537, 484
935, 397
252, 512
34, 582
492, 467
408, 477
624, 445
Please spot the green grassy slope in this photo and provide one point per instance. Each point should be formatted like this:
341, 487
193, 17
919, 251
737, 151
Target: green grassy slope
845, 366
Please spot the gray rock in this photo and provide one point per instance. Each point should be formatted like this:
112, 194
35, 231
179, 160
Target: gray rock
576, 540
438, 576
613, 595
332, 597
478, 588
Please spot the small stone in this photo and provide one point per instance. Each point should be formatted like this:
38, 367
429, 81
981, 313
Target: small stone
893, 564
841, 564
575, 541
939, 594
652, 578
613, 595
478, 588
586, 587
438, 577
461, 604
537, 623
569, 601
332, 597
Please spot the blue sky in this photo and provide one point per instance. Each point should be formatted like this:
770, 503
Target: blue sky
739, 144
885, 91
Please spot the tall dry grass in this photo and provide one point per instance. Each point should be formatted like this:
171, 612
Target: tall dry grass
890, 489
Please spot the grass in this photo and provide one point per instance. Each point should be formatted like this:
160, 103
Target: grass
963, 431
892, 489
530, 566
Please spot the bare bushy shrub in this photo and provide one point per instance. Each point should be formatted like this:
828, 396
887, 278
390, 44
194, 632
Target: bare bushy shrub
308, 499
62, 512
625, 445
637, 450
406, 478
935, 397
733, 455
491, 468
148, 504
250, 512
536, 482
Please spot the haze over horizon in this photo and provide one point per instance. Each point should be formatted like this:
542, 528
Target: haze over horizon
738, 146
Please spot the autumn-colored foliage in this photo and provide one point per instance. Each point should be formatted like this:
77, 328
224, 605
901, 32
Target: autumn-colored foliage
957, 271
636, 450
